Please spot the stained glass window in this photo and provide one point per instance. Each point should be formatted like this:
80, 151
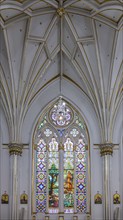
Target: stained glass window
41, 176
53, 174
49, 134
68, 176
81, 176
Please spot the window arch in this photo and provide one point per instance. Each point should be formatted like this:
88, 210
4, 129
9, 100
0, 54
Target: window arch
60, 161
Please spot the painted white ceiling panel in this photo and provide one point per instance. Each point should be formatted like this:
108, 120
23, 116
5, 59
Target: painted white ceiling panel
82, 25
30, 51
81, 62
71, 73
40, 24
9, 13
54, 37
112, 14
82, 5
68, 38
37, 68
92, 57
5, 75
39, 5
105, 38
16, 38
118, 59
86, 50
52, 71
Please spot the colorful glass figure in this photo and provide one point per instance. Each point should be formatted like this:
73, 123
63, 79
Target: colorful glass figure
53, 169
68, 176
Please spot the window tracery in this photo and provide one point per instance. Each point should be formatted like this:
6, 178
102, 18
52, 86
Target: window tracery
73, 137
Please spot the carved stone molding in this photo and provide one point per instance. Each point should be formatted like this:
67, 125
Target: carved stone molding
15, 148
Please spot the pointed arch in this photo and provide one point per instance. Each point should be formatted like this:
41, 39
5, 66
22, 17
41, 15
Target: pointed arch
54, 182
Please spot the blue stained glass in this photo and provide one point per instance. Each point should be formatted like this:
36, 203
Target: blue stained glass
41, 186
41, 166
81, 186
61, 132
80, 166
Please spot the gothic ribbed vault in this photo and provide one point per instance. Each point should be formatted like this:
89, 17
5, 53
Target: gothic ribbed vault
78, 41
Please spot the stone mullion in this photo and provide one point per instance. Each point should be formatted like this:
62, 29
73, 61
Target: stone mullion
47, 189
61, 178
75, 209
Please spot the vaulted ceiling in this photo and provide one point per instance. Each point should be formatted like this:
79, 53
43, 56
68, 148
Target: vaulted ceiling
78, 41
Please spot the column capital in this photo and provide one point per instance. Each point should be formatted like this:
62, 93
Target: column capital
106, 149
15, 149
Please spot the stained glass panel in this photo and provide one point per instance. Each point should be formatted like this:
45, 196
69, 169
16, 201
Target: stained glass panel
67, 130
81, 176
41, 177
53, 169
68, 176
61, 114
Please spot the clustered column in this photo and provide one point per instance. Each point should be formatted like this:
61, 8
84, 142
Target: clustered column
106, 150
15, 150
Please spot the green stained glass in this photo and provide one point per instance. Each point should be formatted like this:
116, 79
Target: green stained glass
53, 154
53, 182
53, 186
54, 161
68, 176
68, 163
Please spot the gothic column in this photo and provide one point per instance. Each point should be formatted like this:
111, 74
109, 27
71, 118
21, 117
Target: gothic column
15, 150
106, 150
61, 178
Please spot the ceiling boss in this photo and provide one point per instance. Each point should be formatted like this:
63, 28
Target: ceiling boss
61, 11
